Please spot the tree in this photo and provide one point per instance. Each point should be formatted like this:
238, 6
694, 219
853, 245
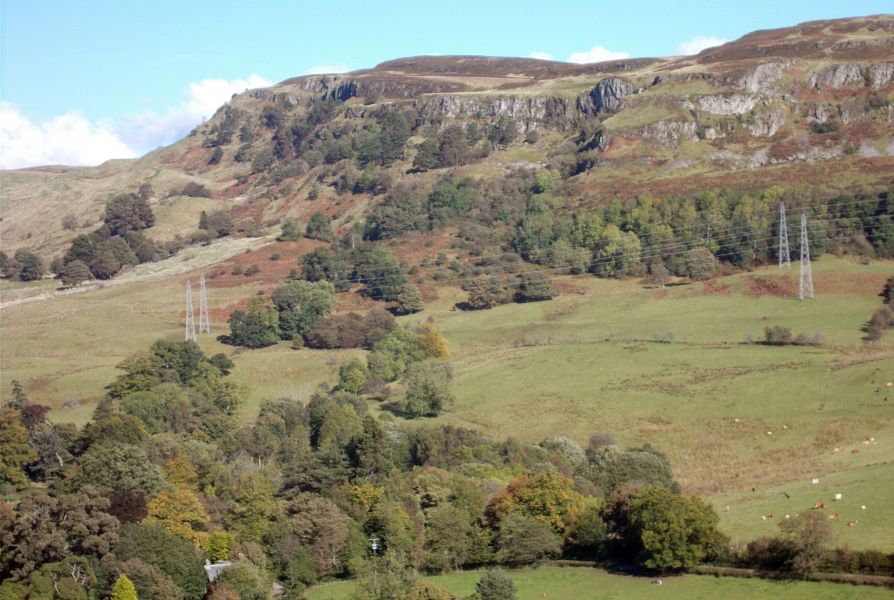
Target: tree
700, 264
169, 553
248, 581
118, 467
180, 512
448, 535
322, 264
43, 529
453, 147
216, 155
495, 585
219, 223
523, 540
392, 354
432, 341
18, 399
128, 212
612, 468
74, 272
319, 227
250, 519
534, 287
585, 533
149, 581
15, 452
319, 525
219, 545
289, 231
620, 253
301, 304
352, 376
257, 328
502, 133
807, 533
428, 155
369, 451
546, 496
670, 532
124, 589
382, 274
31, 268
409, 300
428, 388
485, 292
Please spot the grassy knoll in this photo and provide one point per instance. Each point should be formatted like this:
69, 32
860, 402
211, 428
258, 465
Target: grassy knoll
573, 583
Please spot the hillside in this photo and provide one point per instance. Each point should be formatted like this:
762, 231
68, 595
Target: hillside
644, 193
811, 103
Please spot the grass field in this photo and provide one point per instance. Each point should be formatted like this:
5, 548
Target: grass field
671, 367
574, 583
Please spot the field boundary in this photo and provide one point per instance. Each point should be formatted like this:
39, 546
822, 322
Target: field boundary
851, 578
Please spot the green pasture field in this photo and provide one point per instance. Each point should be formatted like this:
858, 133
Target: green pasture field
671, 367
578, 583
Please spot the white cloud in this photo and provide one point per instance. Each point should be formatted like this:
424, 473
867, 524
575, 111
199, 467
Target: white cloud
148, 129
541, 55
72, 139
596, 54
699, 43
68, 139
327, 69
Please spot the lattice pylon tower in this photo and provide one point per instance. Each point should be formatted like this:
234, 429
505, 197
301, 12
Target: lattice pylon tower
204, 322
190, 315
805, 287
785, 257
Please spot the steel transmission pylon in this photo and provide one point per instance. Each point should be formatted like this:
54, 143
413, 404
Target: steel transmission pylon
805, 288
785, 257
190, 315
204, 322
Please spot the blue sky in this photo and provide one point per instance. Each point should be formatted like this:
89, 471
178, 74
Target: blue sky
119, 78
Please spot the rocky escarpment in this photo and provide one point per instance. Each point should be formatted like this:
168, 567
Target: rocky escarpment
530, 112
837, 76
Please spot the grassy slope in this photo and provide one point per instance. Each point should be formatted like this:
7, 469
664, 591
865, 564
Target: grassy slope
572, 583
579, 364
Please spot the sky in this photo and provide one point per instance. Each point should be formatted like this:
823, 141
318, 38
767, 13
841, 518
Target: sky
82, 82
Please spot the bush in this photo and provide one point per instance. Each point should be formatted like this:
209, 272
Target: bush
319, 227
534, 287
290, 232
495, 586
777, 335
485, 292
195, 190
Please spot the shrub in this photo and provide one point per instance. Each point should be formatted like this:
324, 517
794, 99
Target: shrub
534, 287
495, 586
777, 335
319, 227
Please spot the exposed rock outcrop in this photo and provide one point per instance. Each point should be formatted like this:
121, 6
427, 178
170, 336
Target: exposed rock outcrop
852, 75
669, 133
762, 78
731, 104
606, 95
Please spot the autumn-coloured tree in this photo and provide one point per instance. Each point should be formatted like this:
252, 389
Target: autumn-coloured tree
180, 512
432, 341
